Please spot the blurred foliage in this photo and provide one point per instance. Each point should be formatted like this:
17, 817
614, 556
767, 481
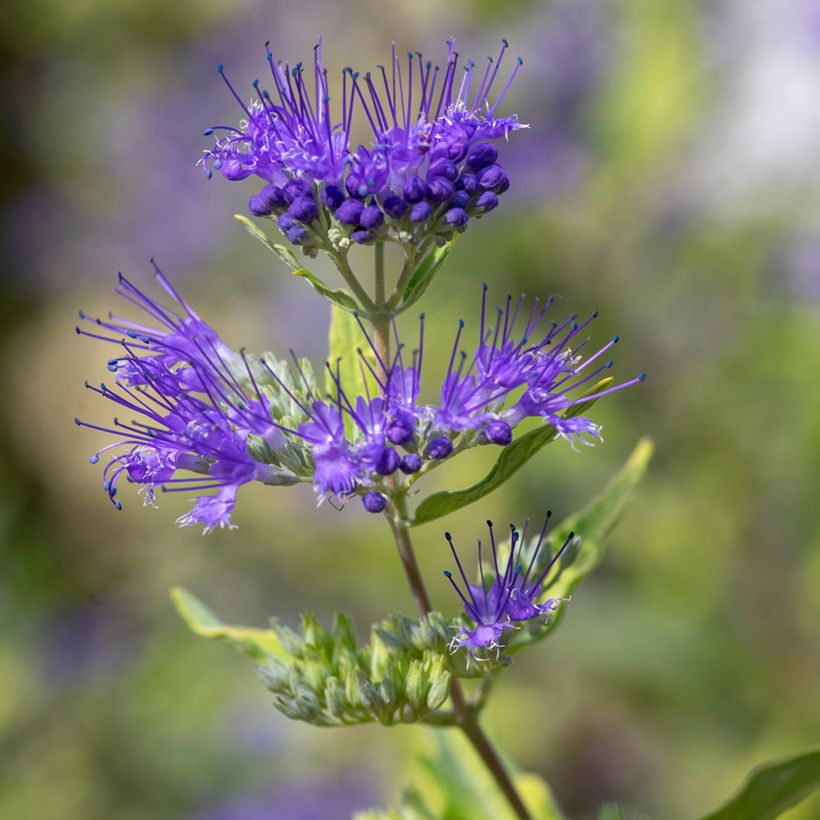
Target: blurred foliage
669, 180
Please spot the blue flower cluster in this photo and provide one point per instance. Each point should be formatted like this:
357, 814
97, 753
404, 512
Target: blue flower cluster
234, 418
431, 165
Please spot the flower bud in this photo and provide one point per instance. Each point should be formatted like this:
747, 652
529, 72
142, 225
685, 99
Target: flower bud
468, 183
440, 448
374, 502
461, 199
304, 209
498, 432
456, 216
481, 155
349, 212
361, 236
439, 189
410, 463
371, 217
294, 188
394, 206
493, 178
487, 202
443, 168
414, 189
258, 205
388, 462
420, 212
333, 196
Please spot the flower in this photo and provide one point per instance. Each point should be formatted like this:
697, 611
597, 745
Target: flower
192, 413
509, 598
430, 167
231, 418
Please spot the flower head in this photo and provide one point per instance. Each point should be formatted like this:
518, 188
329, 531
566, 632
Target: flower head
191, 411
429, 168
512, 595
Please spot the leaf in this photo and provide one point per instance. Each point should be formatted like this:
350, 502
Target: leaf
610, 811
344, 339
258, 644
773, 787
457, 784
424, 273
592, 525
512, 458
338, 297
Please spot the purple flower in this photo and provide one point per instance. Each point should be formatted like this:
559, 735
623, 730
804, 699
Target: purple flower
510, 596
431, 150
189, 410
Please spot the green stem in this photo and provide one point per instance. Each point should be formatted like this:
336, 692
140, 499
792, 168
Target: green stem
381, 316
465, 717
398, 518
353, 283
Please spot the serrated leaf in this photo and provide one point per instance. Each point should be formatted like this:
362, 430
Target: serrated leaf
592, 525
773, 787
512, 458
424, 273
259, 644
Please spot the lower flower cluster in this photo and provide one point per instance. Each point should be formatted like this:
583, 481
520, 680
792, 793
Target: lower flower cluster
231, 418
513, 596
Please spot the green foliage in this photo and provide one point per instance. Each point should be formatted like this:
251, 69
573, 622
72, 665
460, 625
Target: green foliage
258, 644
456, 785
326, 678
773, 787
340, 298
424, 274
345, 338
512, 458
591, 527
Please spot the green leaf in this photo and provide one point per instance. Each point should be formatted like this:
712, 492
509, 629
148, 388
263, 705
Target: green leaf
259, 644
610, 811
456, 783
592, 525
512, 458
338, 297
344, 339
773, 787
424, 273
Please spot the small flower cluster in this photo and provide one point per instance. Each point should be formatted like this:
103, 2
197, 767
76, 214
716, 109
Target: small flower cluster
431, 165
512, 596
234, 418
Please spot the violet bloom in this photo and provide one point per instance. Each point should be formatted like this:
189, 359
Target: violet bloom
511, 597
430, 167
189, 411
550, 370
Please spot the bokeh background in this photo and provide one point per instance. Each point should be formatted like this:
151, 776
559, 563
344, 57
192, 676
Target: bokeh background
670, 178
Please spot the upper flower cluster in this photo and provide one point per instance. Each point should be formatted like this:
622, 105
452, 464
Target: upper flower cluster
513, 595
430, 166
235, 418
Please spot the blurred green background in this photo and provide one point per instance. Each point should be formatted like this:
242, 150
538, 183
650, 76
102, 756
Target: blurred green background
670, 179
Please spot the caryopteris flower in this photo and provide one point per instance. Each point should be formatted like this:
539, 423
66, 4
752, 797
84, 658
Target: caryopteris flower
510, 597
429, 168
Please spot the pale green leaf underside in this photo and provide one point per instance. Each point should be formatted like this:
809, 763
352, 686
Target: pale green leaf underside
259, 644
773, 787
338, 297
592, 525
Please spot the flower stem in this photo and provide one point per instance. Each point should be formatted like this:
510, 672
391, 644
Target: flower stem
397, 516
465, 716
381, 317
